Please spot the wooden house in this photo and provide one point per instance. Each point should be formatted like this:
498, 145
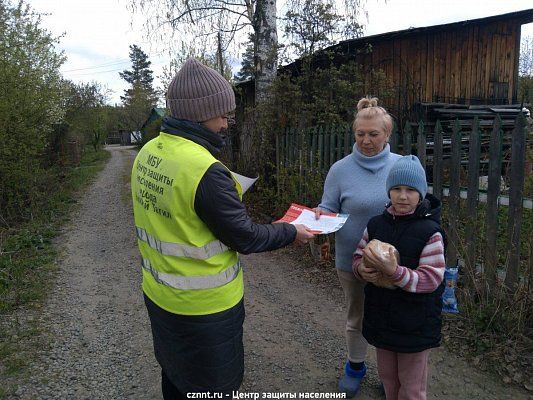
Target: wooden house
113, 137
466, 62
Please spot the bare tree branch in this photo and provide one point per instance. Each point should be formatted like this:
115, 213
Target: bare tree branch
250, 9
188, 7
234, 30
214, 32
198, 9
227, 3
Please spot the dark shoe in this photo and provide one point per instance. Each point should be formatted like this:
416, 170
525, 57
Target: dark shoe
351, 380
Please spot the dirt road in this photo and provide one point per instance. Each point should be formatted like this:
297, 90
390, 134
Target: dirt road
100, 340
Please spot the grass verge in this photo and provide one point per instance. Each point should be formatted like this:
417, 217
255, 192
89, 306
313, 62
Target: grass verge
27, 266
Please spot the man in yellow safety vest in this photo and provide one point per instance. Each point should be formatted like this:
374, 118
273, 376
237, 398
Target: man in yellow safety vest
191, 224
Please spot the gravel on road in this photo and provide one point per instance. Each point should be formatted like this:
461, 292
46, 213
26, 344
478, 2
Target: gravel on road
100, 344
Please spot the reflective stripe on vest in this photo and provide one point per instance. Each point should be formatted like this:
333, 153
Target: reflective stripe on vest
182, 250
193, 282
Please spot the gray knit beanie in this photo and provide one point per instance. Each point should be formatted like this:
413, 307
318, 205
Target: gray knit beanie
408, 171
198, 93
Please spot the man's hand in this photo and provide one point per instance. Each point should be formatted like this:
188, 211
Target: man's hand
368, 274
318, 212
303, 235
384, 263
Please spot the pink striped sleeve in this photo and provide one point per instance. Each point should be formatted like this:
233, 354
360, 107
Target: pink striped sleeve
358, 254
430, 271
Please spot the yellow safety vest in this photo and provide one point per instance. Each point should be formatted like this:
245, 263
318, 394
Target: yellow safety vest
186, 269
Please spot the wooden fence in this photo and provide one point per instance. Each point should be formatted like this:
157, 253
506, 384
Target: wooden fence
455, 156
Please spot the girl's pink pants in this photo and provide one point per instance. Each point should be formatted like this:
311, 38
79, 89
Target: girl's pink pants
404, 375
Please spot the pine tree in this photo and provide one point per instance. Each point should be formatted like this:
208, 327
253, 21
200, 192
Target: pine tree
247, 70
140, 97
140, 74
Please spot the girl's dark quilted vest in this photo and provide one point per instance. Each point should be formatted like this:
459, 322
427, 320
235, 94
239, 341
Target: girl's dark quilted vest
398, 320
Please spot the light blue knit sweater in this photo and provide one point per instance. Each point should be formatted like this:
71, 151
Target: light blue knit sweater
355, 185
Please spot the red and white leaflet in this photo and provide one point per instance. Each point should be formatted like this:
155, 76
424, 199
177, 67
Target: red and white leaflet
327, 223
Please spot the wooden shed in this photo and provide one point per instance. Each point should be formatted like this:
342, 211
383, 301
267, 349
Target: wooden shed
467, 62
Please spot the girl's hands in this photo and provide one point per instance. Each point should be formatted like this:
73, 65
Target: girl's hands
384, 263
368, 274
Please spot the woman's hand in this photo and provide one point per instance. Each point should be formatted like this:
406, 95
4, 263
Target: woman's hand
368, 274
384, 263
318, 212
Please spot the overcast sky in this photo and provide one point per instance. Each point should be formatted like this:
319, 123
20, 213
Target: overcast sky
97, 33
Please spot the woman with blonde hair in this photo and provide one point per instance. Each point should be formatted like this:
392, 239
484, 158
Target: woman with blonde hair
355, 185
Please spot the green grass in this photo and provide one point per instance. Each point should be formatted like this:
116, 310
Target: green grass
26, 251
27, 263
126, 194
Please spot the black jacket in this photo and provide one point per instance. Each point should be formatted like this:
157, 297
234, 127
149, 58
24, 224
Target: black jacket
217, 202
398, 320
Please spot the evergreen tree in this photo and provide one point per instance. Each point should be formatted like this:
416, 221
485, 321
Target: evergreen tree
140, 74
140, 97
247, 66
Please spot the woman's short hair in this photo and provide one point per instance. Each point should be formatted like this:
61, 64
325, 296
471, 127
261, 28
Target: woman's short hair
367, 108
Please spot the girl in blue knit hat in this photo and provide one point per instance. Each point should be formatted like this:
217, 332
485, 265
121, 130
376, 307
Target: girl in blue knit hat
404, 322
